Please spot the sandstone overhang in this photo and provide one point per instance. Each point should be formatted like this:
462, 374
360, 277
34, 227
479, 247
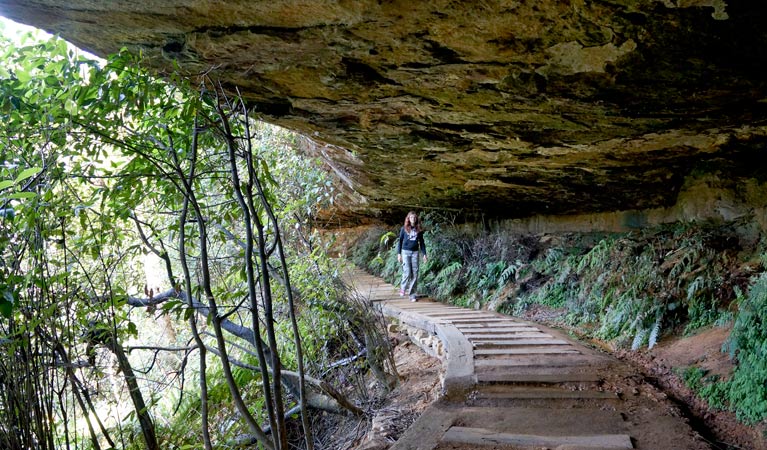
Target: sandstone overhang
496, 108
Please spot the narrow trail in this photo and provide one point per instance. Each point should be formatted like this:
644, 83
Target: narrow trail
512, 384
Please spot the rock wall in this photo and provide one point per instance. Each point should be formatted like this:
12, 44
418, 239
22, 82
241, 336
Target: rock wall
706, 197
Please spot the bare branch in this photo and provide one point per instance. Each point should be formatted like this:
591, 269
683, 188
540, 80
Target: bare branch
160, 349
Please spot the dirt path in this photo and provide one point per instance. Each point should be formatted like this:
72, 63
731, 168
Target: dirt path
511, 384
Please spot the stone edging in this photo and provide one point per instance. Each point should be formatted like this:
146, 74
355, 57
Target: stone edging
458, 357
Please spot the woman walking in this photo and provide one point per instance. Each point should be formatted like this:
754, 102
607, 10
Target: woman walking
409, 245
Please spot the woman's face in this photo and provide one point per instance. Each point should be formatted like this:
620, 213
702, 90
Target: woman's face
412, 219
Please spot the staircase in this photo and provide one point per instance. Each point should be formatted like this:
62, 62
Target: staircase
512, 384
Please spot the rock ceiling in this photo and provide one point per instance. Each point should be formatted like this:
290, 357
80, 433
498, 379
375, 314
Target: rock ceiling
499, 108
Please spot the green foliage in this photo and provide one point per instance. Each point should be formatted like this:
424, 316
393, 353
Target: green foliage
386, 258
553, 295
703, 312
708, 387
96, 163
447, 279
376, 251
746, 391
367, 249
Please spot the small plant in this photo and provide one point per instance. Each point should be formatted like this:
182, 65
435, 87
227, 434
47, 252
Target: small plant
692, 376
707, 387
701, 313
447, 279
597, 257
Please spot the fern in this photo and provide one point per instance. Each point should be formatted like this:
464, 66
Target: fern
639, 339
763, 259
695, 286
449, 270
446, 280
683, 263
564, 273
613, 320
597, 256
386, 238
552, 258
654, 332
507, 273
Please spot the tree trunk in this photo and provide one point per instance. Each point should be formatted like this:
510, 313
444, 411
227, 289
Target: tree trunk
147, 426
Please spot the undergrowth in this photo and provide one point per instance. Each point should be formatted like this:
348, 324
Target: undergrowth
629, 289
747, 389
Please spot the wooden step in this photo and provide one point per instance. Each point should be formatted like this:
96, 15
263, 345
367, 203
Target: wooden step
467, 314
500, 343
532, 350
481, 436
525, 393
557, 361
498, 331
538, 378
488, 320
473, 326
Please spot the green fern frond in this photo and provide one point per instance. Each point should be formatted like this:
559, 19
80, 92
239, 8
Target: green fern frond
639, 339
449, 270
446, 280
654, 333
553, 255
507, 273
596, 257
565, 272
695, 286
386, 238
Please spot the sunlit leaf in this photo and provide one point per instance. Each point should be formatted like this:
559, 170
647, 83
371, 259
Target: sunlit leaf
23, 76
27, 173
22, 195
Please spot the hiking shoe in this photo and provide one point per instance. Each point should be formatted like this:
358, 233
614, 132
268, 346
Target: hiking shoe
401, 293
413, 298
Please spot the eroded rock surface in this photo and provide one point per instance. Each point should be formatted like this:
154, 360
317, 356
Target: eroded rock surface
500, 108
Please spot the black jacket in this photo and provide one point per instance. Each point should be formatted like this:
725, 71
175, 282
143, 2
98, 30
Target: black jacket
412, 241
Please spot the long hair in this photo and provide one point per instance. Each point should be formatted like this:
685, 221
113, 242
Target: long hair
417, 222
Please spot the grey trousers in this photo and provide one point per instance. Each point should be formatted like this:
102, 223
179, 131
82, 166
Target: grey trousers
409, 271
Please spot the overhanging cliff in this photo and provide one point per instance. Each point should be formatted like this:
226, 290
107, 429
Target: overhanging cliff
503, 108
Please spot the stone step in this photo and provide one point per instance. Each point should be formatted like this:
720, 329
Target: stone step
462, 318
434, 306
410, 307
481, 436
427, 430
380, 299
